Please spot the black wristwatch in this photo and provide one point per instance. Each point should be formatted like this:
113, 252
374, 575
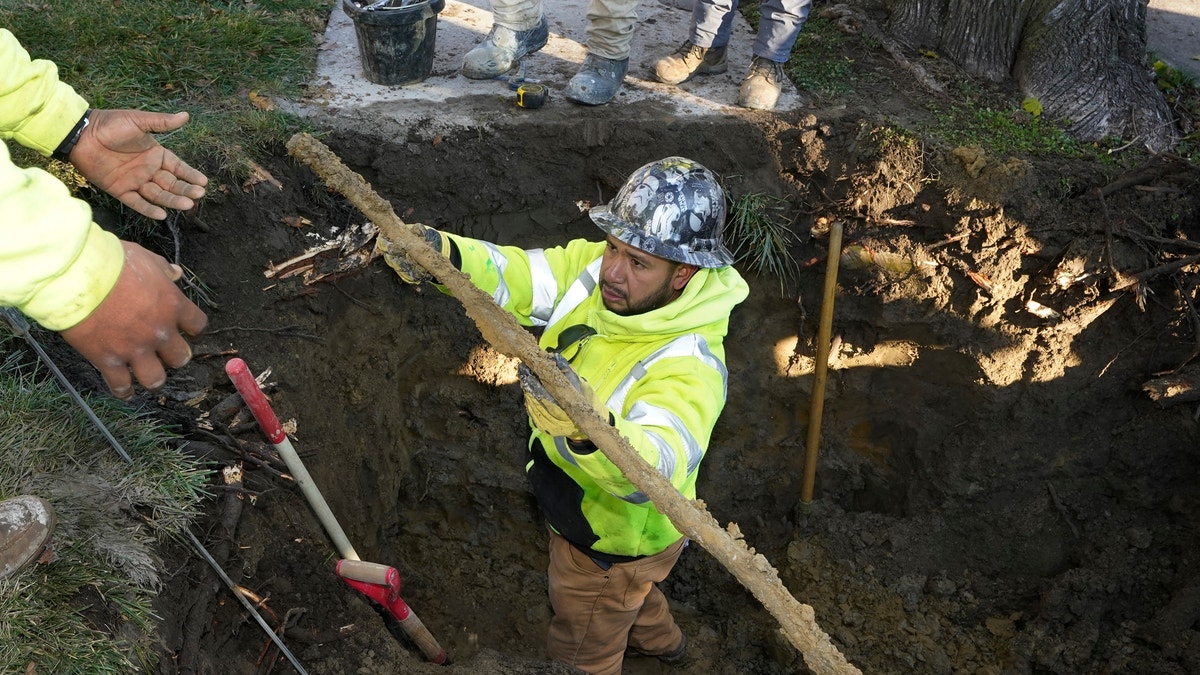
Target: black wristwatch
63, 151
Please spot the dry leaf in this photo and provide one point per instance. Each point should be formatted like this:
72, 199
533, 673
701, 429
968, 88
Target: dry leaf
296, 221
261, 102
982, 281
260, 175
1041, 311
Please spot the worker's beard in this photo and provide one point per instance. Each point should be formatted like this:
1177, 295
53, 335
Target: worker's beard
651, 302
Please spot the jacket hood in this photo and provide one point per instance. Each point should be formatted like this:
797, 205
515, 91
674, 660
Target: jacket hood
704, 307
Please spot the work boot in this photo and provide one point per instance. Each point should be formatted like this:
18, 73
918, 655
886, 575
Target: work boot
690, 60
597, 81
760, 90
502, 49
25, 526
675, 657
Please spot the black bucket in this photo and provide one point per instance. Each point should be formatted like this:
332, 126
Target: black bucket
396, 43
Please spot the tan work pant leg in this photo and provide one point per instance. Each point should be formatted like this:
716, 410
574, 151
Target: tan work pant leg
597, 613
517, 14
610, 27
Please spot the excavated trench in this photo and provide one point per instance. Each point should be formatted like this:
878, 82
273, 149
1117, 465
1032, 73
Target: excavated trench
932, 539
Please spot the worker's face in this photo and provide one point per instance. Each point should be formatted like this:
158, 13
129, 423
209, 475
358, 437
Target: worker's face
633, 281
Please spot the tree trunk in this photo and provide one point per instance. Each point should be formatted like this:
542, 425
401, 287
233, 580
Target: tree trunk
1083, 60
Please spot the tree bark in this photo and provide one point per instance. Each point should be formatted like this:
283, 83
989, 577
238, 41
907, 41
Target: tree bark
1083, 60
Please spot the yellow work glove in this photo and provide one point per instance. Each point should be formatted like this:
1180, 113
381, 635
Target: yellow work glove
545, 412
409, 271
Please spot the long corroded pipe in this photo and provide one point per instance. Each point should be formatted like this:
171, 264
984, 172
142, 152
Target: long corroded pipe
797, 621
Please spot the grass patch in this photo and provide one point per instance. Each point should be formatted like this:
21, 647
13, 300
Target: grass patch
203, 57
1005, 132
818, 61
761, 235
90, 610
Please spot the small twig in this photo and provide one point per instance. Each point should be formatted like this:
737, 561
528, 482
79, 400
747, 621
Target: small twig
215, 355
1193, 319
1108, 254
239, 490
284, 331
948, 241
1061, 509
351, 298
173, 226
1112, 151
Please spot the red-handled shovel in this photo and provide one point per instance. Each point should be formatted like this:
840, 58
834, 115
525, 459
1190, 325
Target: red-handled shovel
378, 582
382, 584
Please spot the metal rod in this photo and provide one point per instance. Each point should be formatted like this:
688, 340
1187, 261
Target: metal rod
21, 327
824, 333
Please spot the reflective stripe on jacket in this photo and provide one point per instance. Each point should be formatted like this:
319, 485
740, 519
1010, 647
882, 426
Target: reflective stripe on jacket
662, 374
55, 265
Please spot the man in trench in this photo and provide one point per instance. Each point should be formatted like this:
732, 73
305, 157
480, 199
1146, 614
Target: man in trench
637, 322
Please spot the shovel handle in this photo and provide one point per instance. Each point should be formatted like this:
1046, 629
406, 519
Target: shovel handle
361, 570
247, 387
418, 633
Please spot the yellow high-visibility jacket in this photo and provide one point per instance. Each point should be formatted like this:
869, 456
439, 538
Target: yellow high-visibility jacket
662, 375
56, 265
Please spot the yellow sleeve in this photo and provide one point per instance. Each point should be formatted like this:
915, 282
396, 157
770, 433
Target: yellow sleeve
36, 109
56, 265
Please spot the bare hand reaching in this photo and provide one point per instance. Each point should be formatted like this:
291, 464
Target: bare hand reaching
118, 153
137, 327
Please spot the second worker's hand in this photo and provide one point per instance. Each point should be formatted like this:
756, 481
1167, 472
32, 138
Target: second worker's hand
118, 153
135, 332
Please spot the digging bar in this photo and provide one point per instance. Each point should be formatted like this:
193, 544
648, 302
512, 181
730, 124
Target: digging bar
378, 582
821, 370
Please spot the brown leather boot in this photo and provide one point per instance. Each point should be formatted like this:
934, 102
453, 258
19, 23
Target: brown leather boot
760, 90
25, 526
690, 60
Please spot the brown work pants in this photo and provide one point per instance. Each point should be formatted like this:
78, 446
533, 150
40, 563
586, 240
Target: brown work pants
597, 613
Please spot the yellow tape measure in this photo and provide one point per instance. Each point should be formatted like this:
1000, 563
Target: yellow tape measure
531, 95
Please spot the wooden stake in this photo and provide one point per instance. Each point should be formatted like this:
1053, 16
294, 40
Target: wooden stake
824, 332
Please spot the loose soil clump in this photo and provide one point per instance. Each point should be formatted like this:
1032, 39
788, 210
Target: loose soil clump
997, 491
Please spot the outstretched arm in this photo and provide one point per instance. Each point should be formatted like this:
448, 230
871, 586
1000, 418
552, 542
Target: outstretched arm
118, 153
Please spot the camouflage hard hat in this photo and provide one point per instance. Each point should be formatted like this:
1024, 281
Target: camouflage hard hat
673, 208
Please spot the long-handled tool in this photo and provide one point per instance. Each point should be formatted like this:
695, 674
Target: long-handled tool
378, 582
824, 330
382, 584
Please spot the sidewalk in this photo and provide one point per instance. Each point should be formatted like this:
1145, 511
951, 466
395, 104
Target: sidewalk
447, 99
1173, 33
453, 99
